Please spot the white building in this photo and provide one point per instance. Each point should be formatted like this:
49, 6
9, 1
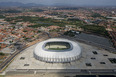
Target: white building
57, 50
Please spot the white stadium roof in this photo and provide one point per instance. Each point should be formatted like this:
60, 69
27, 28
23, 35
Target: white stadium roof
52, 51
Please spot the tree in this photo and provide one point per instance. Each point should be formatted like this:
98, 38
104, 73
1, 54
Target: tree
96, 15
2, 54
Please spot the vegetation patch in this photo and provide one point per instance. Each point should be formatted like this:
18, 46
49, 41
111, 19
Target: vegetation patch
100, 30
69, 33
1, 16
57, 48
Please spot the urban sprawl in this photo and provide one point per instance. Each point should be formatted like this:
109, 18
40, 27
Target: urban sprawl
21, 26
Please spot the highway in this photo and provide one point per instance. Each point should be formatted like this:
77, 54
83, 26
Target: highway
10, 58
64, 71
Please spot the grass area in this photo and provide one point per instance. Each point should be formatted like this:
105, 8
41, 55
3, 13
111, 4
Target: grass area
41, 21
100, 30
57, 48
114, 27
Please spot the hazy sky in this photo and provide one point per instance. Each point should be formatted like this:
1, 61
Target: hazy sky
74, 2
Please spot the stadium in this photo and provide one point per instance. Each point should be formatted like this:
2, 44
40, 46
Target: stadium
57, 50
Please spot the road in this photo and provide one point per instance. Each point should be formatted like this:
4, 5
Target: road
9, 59
64, 71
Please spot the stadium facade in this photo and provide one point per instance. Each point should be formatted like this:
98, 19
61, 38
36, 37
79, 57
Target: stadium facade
57, 50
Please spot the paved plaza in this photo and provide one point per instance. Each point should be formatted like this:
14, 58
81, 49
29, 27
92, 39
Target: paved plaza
89, 60
95, 39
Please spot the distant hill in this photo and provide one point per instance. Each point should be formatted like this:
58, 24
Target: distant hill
61, 4
18, 4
